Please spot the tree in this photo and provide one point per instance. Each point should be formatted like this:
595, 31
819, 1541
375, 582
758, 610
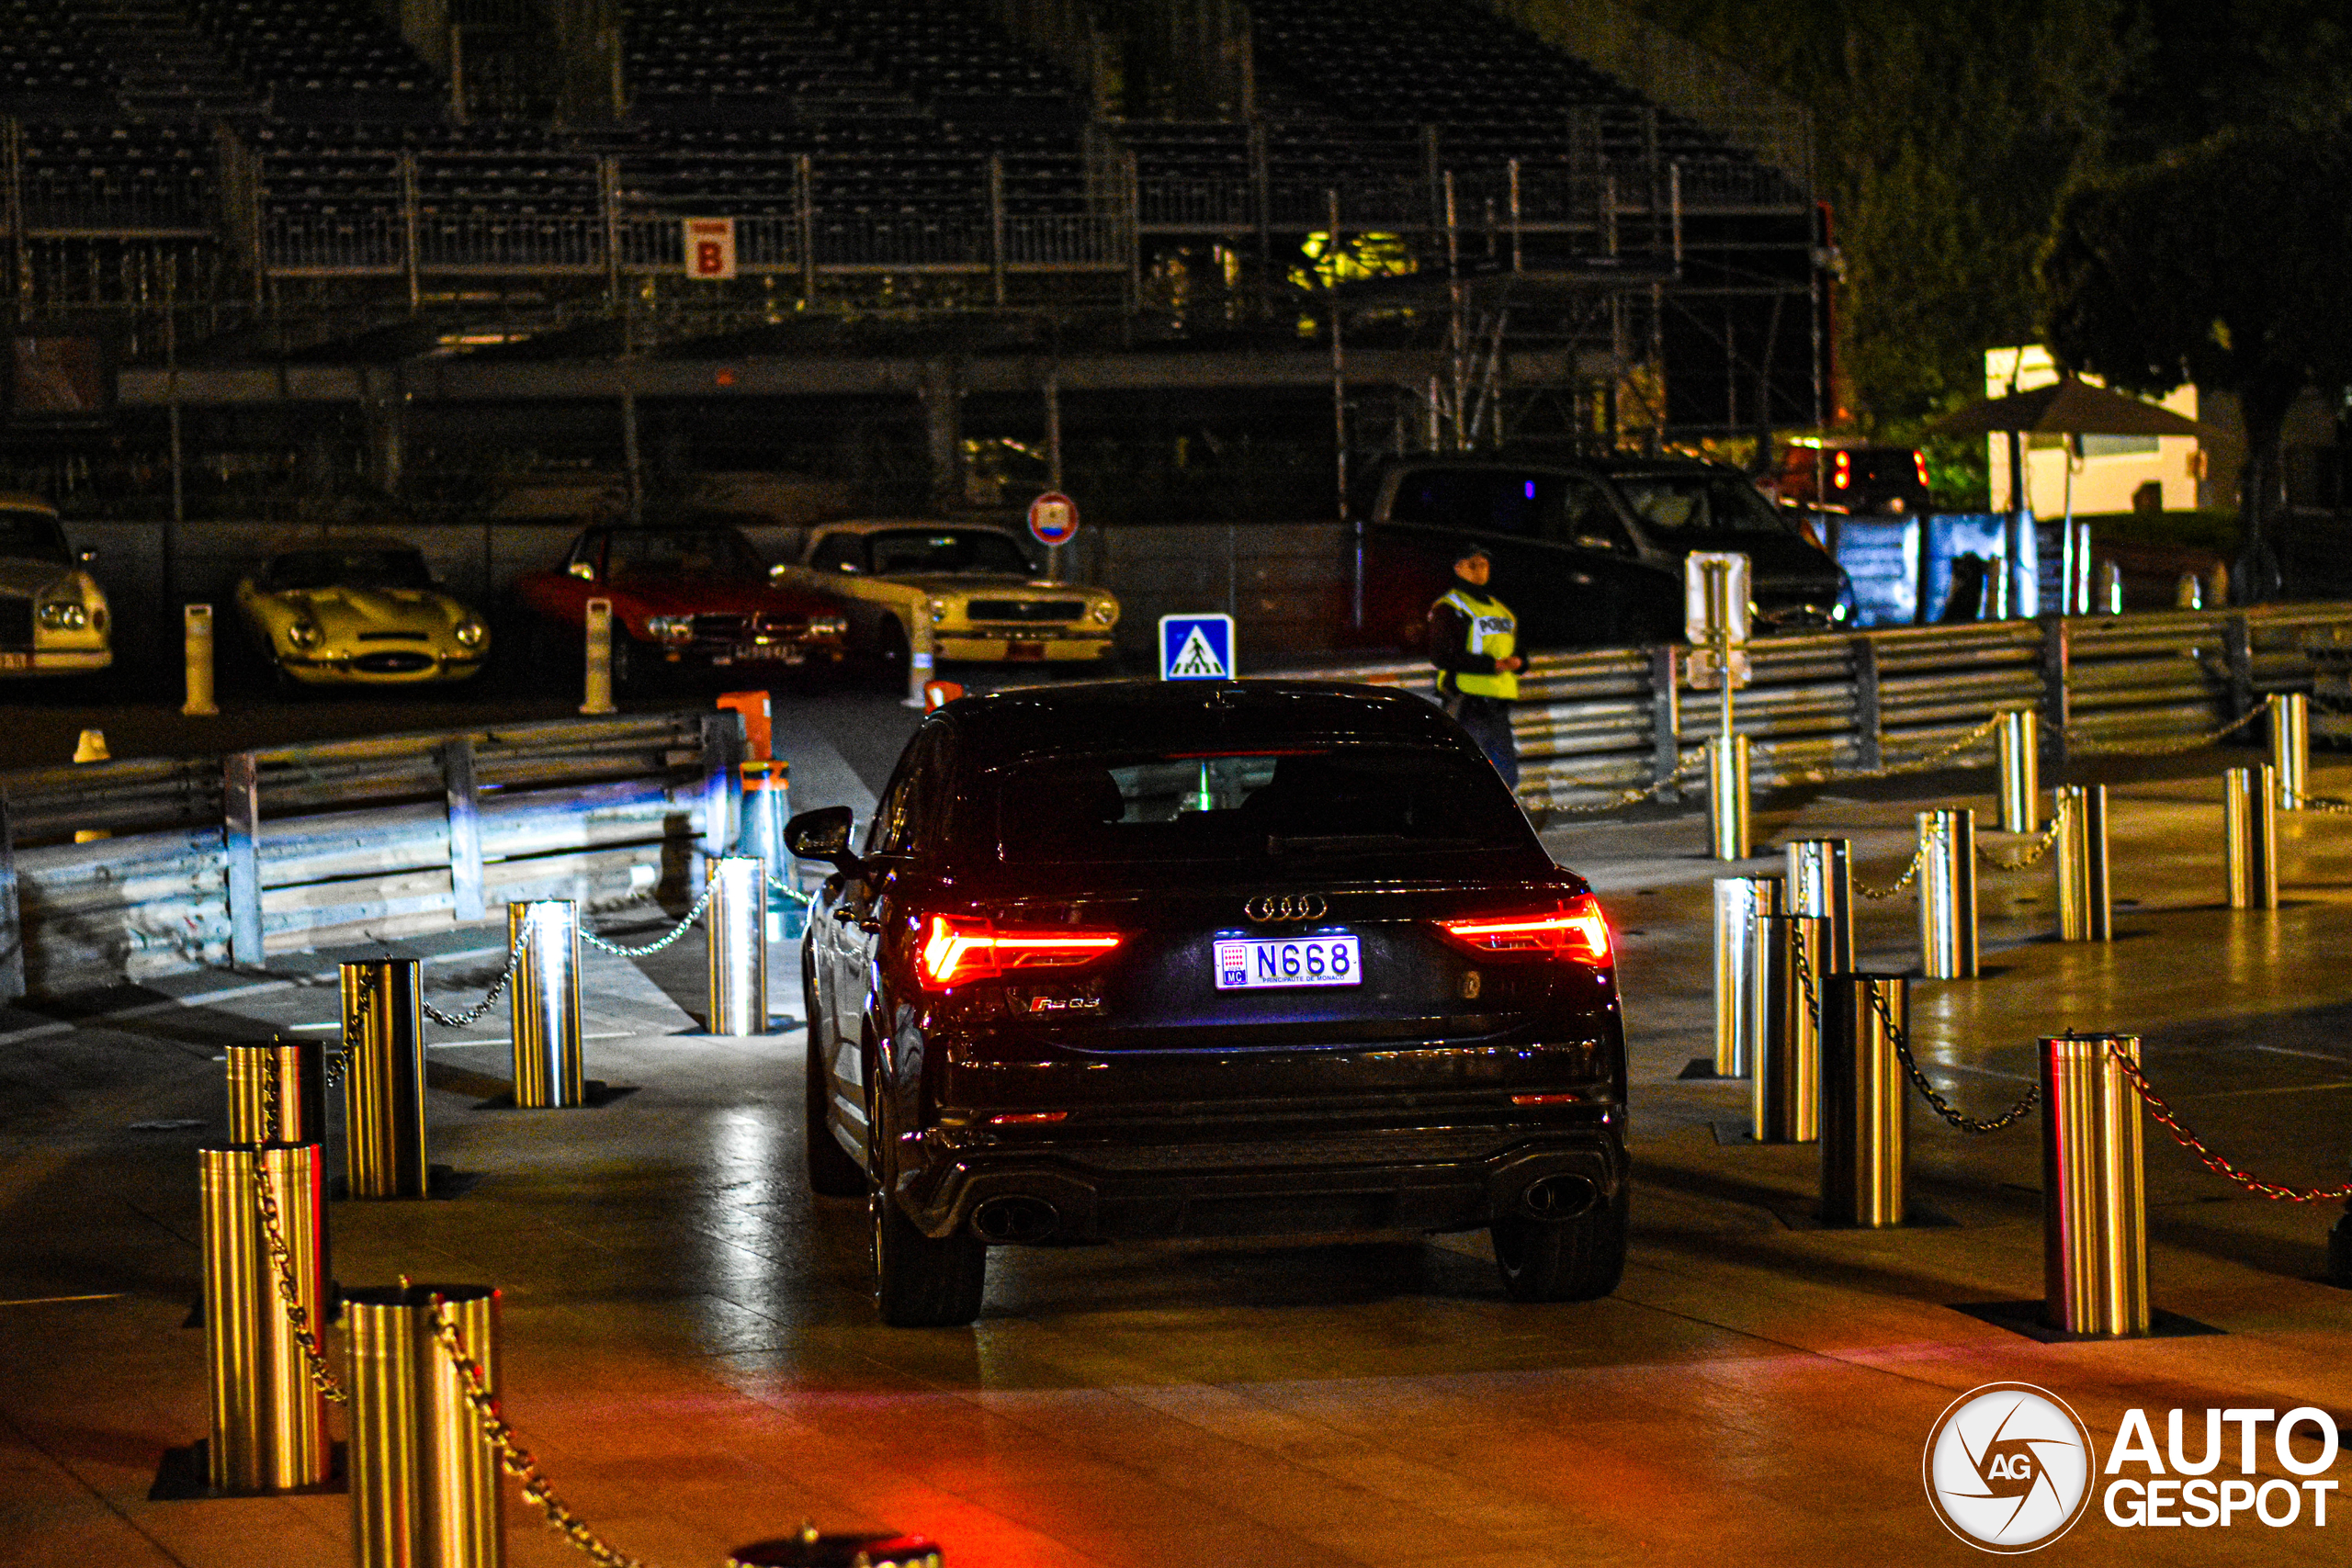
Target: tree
2228, 264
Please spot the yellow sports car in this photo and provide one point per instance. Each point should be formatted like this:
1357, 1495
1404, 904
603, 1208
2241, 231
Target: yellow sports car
53, 616
974, 590
359, 614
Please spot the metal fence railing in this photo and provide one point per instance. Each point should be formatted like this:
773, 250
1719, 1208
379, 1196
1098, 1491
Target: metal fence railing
1592, 725
218, 859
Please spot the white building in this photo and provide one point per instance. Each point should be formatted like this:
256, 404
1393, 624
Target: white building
2105, 471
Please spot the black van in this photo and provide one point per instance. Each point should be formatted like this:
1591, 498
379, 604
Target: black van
1587, 551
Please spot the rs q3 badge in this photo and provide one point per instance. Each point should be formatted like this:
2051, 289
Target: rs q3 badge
1276, 908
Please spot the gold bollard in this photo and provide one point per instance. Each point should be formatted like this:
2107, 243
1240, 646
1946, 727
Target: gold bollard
921, 650
596, 695
550, 1069
2085, 911
277, 1091
2188, 592
423, 1476
1738, 901
2291, 748
1727, 791
269, 1420
1786, 1093
1948, 894
2093, 1200
1821, 884
2250, 830
2020, 739
1863, 1099
195, 632
736, 928
383, 1080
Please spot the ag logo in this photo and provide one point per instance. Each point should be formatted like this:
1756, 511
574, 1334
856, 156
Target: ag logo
2008, 1467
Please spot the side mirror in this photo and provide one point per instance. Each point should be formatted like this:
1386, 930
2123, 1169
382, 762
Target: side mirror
585, 570
823, 834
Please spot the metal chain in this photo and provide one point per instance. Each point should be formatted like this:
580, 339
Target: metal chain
649, 949
1634, 796
281, 1260
1805, 983
778, 884
474, 1384
497, 986
2322, 804
2169, 1120
1919, 1080
2163, 748
1919, 859
337, 1064
1932, 760
2032, 853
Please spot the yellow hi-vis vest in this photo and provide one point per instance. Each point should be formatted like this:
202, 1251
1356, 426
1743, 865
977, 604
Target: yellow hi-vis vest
1494, 631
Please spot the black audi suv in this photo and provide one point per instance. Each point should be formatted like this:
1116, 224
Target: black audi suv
1141, 960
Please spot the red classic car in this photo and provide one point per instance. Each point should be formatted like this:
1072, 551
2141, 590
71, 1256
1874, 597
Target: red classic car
692, 595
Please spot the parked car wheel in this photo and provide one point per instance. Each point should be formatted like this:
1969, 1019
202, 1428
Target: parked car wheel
1578, 1259
891, 656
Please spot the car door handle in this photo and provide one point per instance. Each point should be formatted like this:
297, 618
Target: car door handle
868, 923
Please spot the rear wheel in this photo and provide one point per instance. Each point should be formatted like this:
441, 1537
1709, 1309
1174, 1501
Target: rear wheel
919, 1282
1578, 1259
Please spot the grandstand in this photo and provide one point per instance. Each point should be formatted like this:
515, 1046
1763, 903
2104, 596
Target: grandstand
287, 176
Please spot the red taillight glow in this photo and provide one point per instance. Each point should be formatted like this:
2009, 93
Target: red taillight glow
1570, 1097
1027, 1117
1845, 475
1576, 930
959, 949
1919, 461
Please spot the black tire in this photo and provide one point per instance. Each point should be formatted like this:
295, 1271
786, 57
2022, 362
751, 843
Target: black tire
891, 656
919, 1282
832, 1171
1562, 1260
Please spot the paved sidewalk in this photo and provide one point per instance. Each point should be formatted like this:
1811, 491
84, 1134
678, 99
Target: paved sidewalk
689, 1350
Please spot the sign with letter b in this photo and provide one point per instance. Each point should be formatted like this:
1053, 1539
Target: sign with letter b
710, 248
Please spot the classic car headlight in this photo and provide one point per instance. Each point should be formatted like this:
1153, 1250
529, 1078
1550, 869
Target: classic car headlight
827, 626
938, 611
1105, 612
63, 614
671, 629
302, 634
470, 632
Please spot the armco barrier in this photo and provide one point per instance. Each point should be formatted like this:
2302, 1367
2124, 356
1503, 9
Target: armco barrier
222, 860
1594, 725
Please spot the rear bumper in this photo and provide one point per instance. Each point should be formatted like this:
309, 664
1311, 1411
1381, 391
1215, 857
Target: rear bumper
1427, 1179
1052, 644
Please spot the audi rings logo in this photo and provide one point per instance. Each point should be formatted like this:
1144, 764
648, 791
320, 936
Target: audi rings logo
2008, 1467
1274, 908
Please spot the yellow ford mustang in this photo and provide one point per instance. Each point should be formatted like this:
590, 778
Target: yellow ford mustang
360, 614
974, 588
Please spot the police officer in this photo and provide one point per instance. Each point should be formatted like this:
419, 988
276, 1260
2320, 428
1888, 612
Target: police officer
1472, 638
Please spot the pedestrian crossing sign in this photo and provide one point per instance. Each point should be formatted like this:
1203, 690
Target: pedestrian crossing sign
1197, 647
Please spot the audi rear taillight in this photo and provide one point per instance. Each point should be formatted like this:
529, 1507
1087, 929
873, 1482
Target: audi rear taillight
958, 948
1573, 931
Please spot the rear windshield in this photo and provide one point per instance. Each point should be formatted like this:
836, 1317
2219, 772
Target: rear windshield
1277, 807
1683, 505
1498, 502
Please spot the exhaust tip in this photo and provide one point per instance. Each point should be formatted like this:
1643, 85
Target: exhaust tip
1558, 1197
1015, 1220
